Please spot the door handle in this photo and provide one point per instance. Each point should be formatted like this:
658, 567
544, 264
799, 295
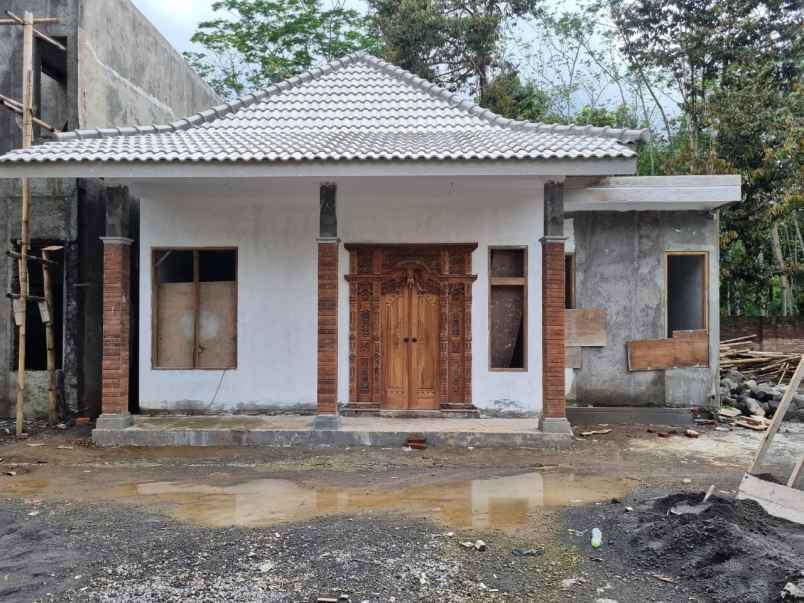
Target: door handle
413, 340
406, 339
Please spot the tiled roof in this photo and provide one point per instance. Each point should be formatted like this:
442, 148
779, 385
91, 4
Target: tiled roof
356, 108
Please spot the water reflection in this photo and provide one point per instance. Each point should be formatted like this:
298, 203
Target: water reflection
504, 502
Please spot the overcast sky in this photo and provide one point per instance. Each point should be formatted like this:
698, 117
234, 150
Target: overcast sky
177, 19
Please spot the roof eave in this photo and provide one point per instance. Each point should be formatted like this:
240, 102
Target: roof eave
136, 170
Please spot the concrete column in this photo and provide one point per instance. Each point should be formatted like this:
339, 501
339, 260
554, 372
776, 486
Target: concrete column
554, 419
327, 386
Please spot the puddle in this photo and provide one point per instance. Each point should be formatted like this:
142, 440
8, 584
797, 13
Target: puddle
499, 503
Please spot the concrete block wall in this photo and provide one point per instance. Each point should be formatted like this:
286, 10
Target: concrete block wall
619, 267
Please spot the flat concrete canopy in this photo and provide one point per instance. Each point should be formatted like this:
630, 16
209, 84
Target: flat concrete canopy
298, 430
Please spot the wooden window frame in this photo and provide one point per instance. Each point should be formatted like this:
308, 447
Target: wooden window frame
196, 306
666, 289
510, 281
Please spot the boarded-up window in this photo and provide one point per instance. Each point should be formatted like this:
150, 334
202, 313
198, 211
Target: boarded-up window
195, 308
686, 292
507, 308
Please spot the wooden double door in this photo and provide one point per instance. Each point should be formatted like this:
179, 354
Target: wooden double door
410, 326
409, 320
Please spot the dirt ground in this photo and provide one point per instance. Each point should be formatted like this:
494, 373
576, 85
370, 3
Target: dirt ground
203, 524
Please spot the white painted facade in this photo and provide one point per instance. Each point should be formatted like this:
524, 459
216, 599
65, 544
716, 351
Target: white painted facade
274, 225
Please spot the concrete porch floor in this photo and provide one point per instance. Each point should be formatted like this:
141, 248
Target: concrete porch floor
298, 430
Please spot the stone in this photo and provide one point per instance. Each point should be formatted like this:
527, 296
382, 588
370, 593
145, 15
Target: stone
753, 407
735, 376
793, 591
480, 545
534, 552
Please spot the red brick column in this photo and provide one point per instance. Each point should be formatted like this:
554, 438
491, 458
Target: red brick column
553, 310
554, 416
116, 330
328, 327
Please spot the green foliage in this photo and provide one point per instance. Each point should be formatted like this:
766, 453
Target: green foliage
506, 95
260, 41
454, 43
736, 66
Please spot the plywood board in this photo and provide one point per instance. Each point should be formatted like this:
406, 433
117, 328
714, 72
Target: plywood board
217, 340
776, 499
573, 357
586, 327
691, 349
174, 337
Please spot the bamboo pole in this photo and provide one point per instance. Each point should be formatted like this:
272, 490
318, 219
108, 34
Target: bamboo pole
27, 140
49, 340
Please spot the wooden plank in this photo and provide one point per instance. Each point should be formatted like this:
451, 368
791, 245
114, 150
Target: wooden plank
217, 328
650, 354
573, 357
776, 499
176, 325
778, 417
689, 350
586, 327
791, 483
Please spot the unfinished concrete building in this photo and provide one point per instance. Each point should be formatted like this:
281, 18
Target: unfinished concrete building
104, 78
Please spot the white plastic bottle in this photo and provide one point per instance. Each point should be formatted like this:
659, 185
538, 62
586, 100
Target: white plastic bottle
597, 538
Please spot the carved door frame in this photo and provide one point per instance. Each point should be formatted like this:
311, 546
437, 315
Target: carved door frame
447, 269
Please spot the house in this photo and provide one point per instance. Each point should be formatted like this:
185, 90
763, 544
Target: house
357, 241
100, 79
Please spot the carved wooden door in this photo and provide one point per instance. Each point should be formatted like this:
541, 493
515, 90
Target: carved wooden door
395, 339
410, 334
424, 350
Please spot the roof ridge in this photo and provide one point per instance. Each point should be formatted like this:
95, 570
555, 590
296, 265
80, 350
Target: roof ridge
214, 113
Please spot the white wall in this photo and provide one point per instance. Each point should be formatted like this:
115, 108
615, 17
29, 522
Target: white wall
274, 227
274, 224
487, 211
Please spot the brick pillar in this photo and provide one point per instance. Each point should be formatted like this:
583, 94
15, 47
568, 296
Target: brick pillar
553, 312
327, 386
327, 327
116, 330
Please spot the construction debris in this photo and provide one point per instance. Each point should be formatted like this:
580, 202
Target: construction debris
753, 382
595, 432
763, 367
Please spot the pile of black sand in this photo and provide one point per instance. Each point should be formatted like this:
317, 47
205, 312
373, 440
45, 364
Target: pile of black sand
731, 552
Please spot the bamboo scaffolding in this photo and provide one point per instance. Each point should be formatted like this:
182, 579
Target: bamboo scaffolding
26, 109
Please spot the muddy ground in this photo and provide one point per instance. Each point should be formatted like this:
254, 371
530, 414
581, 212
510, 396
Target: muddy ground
85, 524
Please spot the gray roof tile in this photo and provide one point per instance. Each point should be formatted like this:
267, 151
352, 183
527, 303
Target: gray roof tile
356, 108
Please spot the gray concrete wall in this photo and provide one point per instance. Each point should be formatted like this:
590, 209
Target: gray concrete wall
129, 74
620, 267
120, 71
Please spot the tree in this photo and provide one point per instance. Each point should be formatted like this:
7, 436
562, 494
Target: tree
454, 43
506, 95
265, 41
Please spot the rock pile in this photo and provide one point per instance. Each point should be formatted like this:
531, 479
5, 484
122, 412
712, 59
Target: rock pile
757, 399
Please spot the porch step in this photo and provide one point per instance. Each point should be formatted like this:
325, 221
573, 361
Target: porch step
361, 410
460, 410
451, 411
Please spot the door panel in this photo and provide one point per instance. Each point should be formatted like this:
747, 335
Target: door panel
394, 313
424, 351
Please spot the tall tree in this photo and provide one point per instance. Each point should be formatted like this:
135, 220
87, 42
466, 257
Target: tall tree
257, 42
455, 43
736, 68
